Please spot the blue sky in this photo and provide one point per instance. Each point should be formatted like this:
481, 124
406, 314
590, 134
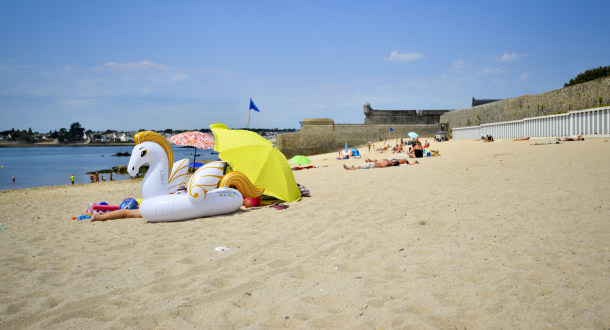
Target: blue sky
130, 65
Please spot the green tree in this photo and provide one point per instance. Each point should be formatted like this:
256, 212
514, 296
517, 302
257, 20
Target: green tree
76, 132
589, 75
62, 135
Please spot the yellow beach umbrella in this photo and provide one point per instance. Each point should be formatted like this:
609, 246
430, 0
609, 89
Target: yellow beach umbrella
258, 159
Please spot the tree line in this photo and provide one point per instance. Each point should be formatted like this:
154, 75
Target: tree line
589, 75
76, 133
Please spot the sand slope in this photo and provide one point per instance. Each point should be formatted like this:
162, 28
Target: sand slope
488, 235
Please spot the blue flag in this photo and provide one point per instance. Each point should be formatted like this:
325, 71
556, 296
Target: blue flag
253, 106
391, 129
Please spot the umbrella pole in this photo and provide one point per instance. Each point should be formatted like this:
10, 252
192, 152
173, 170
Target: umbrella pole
194, 157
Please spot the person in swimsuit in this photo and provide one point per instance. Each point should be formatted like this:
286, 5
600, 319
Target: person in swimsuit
135, 213
416, 151
372, 163
251, 202
573, 138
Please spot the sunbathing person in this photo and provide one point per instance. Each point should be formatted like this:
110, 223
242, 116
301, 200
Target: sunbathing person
135, 213
114, 215
572, 138
524, 139
373, 163
297, 168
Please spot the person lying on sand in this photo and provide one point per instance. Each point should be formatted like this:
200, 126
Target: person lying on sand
114, 215
573, 138
372, 163
524, 139
297, 168
135, 213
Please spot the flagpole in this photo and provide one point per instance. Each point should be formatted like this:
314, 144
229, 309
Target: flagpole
249, 110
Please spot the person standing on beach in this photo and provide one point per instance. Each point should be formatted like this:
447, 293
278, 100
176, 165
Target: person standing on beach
72, 178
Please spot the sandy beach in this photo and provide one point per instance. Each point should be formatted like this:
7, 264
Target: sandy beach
487, 235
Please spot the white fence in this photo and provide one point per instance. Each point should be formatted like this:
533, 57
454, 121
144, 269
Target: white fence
590, 122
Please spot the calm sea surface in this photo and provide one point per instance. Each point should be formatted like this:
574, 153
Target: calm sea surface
51, 166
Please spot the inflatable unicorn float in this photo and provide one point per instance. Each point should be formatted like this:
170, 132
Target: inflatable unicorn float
209, 191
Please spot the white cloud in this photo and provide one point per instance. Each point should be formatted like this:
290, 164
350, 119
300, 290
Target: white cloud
398, 57
457, 66
506, 57
178, 77
526, 75
133, 66
486, 71
78, 102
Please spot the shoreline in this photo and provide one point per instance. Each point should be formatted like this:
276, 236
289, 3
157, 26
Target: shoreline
5, 144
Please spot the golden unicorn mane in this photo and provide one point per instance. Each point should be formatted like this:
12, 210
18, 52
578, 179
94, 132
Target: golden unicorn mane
160, 140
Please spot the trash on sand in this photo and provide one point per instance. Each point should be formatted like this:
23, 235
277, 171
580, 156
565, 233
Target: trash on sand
221, 248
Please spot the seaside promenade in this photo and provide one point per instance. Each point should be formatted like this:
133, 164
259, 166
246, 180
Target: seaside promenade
487, 235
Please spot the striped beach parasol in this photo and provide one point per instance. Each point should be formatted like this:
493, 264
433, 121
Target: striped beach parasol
194, 139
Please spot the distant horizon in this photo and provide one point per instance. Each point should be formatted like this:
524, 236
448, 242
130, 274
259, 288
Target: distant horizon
136, 64
139, 130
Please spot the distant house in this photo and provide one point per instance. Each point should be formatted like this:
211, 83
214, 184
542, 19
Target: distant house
476, 102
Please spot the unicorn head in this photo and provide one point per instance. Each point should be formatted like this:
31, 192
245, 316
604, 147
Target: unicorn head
152, 149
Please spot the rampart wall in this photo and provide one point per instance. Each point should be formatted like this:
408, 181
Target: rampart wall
401, 117
582, 96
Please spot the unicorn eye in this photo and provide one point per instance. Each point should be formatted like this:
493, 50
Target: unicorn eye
143, 153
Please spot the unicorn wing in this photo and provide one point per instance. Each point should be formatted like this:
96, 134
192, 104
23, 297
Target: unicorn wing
205, 179
178, 175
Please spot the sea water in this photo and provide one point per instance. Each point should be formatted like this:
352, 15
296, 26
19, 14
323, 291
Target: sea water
52, 166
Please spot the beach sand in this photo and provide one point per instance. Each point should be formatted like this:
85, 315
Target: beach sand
487, 235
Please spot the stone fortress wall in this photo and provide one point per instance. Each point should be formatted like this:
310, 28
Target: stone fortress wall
587, 95
321, 135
